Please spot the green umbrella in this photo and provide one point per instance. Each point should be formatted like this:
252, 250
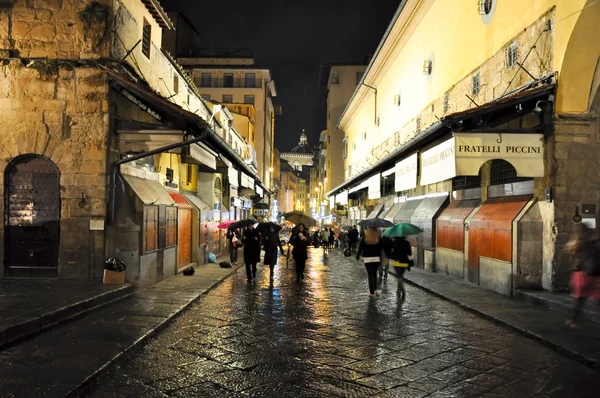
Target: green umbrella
402, 229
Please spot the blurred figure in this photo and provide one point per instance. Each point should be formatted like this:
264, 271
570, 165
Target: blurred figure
233, 237
370, 248
584, 249
388, 246
271, 243
353, 238
251, 241
400, 256
325, 239
331, 238
300, 250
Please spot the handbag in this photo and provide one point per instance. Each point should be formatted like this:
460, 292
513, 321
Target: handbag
398, 264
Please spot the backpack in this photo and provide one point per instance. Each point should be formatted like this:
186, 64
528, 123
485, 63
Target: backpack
347, 252
591, 261
189, 271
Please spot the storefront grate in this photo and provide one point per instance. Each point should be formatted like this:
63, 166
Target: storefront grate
466, 182
503, 172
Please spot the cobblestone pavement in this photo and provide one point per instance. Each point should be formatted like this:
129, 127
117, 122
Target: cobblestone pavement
326, 337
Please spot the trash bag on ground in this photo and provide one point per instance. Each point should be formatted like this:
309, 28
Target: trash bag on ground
212, 258
347, 252
114, 264
189, 271
224, 264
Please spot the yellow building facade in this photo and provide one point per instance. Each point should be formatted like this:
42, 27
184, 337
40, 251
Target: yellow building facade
493, 102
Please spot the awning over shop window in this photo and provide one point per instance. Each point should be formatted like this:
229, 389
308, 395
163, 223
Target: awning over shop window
149, 192
202, 155
196, 201
465, 153
364, 185
148, 140
375, 186
406, 173
388, 172
179, 200
375, 212
391, 214
234, 177
342, 198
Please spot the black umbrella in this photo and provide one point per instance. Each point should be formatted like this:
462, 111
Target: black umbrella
263, 227
376, 223
242, 223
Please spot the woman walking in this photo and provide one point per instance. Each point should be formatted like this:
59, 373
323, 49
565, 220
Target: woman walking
370, 247
388, 246
401, 261
233, 236
300, 251
271, 243
251, 241
585, 281
325, 238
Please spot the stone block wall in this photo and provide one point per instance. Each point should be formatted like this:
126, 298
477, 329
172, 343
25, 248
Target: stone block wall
60, 111
58, 29
575, 180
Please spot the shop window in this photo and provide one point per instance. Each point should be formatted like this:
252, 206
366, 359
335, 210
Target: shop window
466, 182
171, 220
502, 172
146, 38
150, 229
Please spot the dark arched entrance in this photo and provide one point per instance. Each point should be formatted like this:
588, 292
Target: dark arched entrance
32, 217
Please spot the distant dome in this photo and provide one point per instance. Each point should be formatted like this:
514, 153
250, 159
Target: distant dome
302, 146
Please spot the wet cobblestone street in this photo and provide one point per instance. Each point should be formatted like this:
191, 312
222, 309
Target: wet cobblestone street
326, 337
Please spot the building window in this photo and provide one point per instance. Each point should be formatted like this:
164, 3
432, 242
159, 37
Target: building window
364, 135
486, 9
206, 80
249, 99
419, 124
227, 99
250, 80
296, 166
205, 97
176, 84
228, 80
446, 102
335, 77
476, 86
512, 55
359, 76
146, 38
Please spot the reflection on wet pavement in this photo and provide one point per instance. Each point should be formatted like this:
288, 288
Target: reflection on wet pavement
326, 337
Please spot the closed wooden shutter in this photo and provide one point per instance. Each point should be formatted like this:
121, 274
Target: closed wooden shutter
150, 229
171, 226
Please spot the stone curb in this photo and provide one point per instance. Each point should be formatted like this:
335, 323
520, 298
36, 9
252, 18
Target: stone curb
126, 354
32, 327
590, 362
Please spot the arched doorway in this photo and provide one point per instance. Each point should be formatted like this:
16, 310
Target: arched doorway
32, 217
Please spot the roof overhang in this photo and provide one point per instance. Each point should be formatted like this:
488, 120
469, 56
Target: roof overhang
521, 101
159, 14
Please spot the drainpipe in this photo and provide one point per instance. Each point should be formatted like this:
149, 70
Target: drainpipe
374, 89
265, 131
114, 169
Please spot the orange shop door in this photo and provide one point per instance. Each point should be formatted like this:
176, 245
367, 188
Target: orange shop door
184, 236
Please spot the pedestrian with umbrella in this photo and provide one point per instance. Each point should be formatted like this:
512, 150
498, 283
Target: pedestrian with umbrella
300, 251
271, 242
233, 237
370, 248
251, 241
401, 252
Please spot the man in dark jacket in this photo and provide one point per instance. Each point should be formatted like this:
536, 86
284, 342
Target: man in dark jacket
271, 243
251, 241
353, 238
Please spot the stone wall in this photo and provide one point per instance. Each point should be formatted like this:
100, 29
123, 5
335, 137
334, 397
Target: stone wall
58, 29
575, 180
60, 111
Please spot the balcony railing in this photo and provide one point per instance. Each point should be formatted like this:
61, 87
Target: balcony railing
228, 82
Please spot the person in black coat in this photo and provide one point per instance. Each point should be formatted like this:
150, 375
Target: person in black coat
300, 252
401, 261
233, 244
271, 243
353, 238
370, 248
251, 241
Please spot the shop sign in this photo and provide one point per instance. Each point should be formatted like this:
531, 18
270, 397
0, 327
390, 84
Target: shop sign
438, 163
406, 173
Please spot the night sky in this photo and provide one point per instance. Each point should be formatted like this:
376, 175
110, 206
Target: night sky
293, 38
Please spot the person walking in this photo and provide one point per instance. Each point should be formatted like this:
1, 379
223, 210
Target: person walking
370, 248
400, 256
388, 246
331, 239
325, 238
233, 237
271, 243
300, 251
353, 238
584, 249
251, 241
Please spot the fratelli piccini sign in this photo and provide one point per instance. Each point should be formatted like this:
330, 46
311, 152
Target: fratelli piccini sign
465, 153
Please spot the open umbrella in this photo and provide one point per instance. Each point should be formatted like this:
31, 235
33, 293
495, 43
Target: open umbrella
346, 228
242, 223
263, 227
300, 217
226, 224
402, 229
376, 223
